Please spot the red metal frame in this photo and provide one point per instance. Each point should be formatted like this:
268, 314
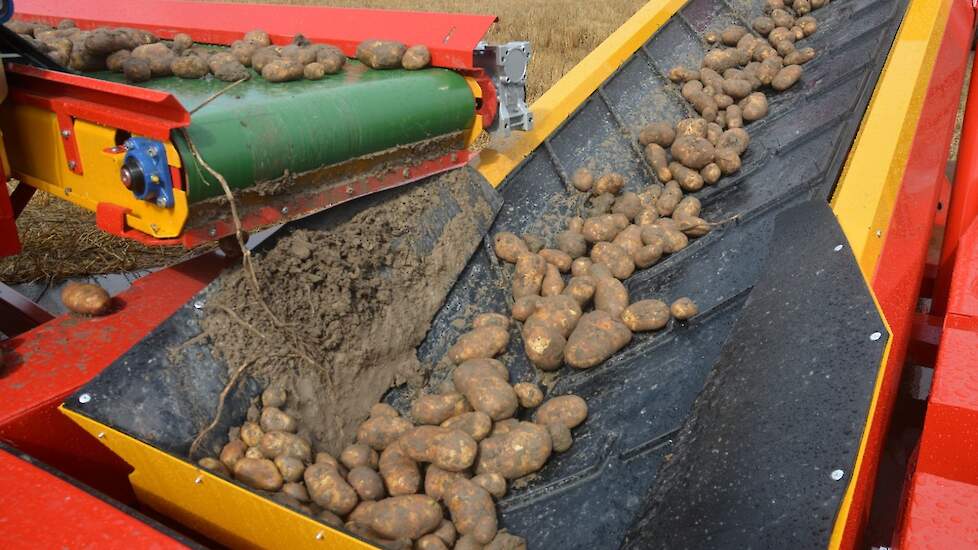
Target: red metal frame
9, 239
450, 37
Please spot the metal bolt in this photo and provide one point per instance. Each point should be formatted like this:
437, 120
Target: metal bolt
320, 535
72, 164
84, 398
879, 233
349, 189
152, 151
285, 210
101, 435
838, 247
199, 480
212, 232
154, 227
161, 201
154, 178
66, 133
875, 336
199, 304
836, 475
67, 190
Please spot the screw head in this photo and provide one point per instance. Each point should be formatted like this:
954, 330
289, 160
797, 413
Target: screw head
199, 304
199, 480
406, 172
879, 233
84, 398
838, 247
836, 475
101, 435
349, 189
161, 201
65, 133
212, 232
875, 336
152, 151
320, 535
285, 210
72, 164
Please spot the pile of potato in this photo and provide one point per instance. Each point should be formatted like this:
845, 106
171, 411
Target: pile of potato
403, 476
140, 55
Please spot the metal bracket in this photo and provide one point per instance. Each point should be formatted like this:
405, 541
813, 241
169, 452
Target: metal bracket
66, 127
506, 65
145, 172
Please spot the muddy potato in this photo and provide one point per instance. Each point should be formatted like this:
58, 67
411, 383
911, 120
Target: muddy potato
158, 56
86, 299
524, 307
233, 452
692, 152
435, 409
115, 60
728, 160
182, 41
736, 139
416, 57
296, 490
476, 424
582, 180
251, 433
400, 474
808, 24
258, 473
490, 320
786, 77
437, 481
59, 57
628, 204
430, 542
560, 436
274, 396
281, 70
610, 296
492, 482
675, 240
450, 450
600, 229
101, 42
615, 258
259, 37
784, 47
711, 37
688, 179
816, 4
768, 69
508, 246
521, 450
581, 266
647, 256
528, 276
254, 452
646, 315
331, 58
694, 226
688, 207
273, 419
782, 18
290, 467
446, 532
713, 133
559, 312
608, 183
711, 173
403, 517
489, 394
472, 510
572, 244
383, 410
569, 410
690, 88
712, 81
533, 242
214, 465
732, 34
274, 444
754, 107
264, 56
381, 54
366, 482
719, 60
737, 88
657, 159
705, 105
723, 101
735, 117
553, 283
683, 74
557, 258
189, 66
659, 133
802, 7
302, 54
379, 432
797, 57
481, 342
683, 309
580, 288
529, 394
544, 347
81, 60
598, 336
646, 216
600, 204
359, 454
630, 239
781, 34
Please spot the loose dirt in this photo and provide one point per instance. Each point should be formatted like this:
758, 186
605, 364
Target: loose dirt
354, 301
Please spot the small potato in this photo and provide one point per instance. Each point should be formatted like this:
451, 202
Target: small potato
251, 433
713, 133
379, 432
447, 533
259, 37
598, 336
274, 396
490, 320
359, 454
472, 509
331, 58
233, 452
136, 70
521, 450
115, 60
723, 101
808, 24
296, 491
557, 258
437, 481
481, 342
763, 25
275, 444
692, 152
569, 410
610, 296
553, 283
430, 542
646, 315
258, 473
214, 466
575, 223
416, 57
768, 69
244, 50
657, 159
400, 474
782, 18
383, 409
781, 34
646, 216
534, 243
683, 74
544, 346
736, 139
86, 299
675, 240
732, 34
407, 517
581, 289
648, 255
581, 266
787, 77
705, 105
628, 204
486, 393
435, 409
615, 258
735, 118
274, 420
560, 436
600, 229
366, 482
508, 246
601, 204
290, 467
659, 133
451, 450
691, 88
381, 54
683, 309
282, 70
711, 37
529, 395
711, 173
688, 207
314, 71
571, 243
689, 180
608, 183
476, 424
582, 180
524, 306
669, 198
728, 160
798, 57
694, 226
754, 107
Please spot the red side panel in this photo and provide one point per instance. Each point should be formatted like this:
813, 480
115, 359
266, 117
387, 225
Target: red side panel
450, 37
9, 241
941, 515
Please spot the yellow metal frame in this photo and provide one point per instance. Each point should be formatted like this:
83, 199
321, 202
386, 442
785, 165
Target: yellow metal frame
552, 109
36, 152
867, 191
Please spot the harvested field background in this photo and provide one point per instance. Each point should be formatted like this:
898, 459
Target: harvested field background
60, 240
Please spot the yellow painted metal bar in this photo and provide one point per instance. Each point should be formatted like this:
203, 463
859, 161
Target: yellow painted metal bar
867, 190
499, 159
209, 504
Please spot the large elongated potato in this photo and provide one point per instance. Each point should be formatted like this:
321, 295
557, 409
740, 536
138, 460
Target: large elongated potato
328, 489
486, 391
569, 410
259, 473
404, 517
610, 296
482, 342
522, 450
600, 228
528, 277
646, 315
508, 246
472, 509
275, 444
435, 409
381, 54
400, 474
451, 450
381, 431
476, 424
597, 337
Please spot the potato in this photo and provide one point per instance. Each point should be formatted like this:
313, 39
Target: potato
274, 420
787, 77
582, 180
781, 33
732, 34
366, 482
136, 70
450, 450
544, 346
598, 336
251, 433
430, 542
754, 107
694, 226
214, 465
669, 198
569, 410
610, 296
359, 454
533, 242
379, 432
691, 88
274, 444
258, 473
601, 204
784, 47
581, 266
797, 57
274, 396
711, 173
816, 4
490, 320
435, 409
646, 315
720, 60
528, 276
648, 255
628, 204
381, 54
529, 394
705, 105
296, 490
244, 50
802, 7
608, 183
521, 450
646, 216
508, 246
736, 139
484, 390
557, 258
659, 133
580, 288
331, 58
560, 436
407, 516
782, 18
158, 56
524, 306
630, 239
259, 37
768, 69
290, 467
383, 409
692, 152
400, 474
437, 481
416, 57
233, 452
264, 56
86, 299
735, 118
493, 483
476, 424
808, 24
553, 283
728, 160
688, 207
688, 179
481, 342
472, 509
282, 70
572, 244
683, 74
683, 309
558, 312
102, 42
114, 61
302, 54
657, 159
713, 133
723, 101
737, 88
254, 452
314, 71
600, 229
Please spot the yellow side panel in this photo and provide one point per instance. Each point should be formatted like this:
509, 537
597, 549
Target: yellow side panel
211, 505
553, 108
37, 156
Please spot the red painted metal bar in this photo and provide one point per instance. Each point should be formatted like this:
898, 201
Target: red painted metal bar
9, 239
39, 510
20, 197
18, 314
450, 37
897, 280
43, 366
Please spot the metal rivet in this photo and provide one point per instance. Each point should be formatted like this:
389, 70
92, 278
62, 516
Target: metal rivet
101, 435
153, 226
212, 232
199, 304
65, 133
199, 480
838, 247
285, 210
72, 164
152, 151
349, 189
837, 474
320, 535
875, 336
84, 398
879, 233
67, 190
161, 201
406, 172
